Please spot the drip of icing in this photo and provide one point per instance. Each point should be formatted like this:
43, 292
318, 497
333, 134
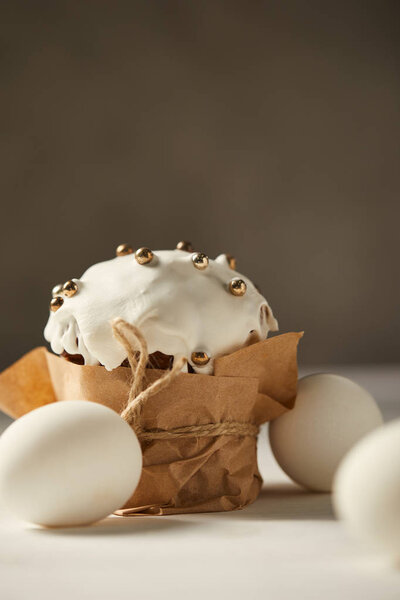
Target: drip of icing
179, 309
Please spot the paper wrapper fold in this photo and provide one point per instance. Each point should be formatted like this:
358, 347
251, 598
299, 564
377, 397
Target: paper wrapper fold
186, 474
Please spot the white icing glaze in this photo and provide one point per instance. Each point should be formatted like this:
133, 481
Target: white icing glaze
179, 309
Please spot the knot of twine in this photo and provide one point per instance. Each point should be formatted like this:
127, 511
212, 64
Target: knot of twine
139, 394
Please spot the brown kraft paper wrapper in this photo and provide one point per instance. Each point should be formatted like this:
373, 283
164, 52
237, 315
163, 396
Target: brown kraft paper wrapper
183, 474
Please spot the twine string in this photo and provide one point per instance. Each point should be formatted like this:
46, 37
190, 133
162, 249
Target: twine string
139, 394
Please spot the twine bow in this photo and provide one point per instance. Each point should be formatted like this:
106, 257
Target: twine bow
138, 395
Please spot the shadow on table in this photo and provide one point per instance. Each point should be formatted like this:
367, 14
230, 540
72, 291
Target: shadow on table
139, 525
285, 502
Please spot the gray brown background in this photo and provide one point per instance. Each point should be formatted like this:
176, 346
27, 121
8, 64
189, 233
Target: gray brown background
266, 129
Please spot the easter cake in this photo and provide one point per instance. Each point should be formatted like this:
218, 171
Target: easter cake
177, 344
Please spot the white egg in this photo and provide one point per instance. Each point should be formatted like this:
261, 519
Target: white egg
330, 415
68, 464
367, 489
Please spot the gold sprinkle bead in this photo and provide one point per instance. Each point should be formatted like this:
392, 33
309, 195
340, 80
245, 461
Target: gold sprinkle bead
185, 246
56, 303
231, 260
57, 290
70, 288
200, 260
144, 256
123, 250
237, 287
200, 358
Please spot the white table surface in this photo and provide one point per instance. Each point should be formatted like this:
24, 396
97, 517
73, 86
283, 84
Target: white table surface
286, 545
